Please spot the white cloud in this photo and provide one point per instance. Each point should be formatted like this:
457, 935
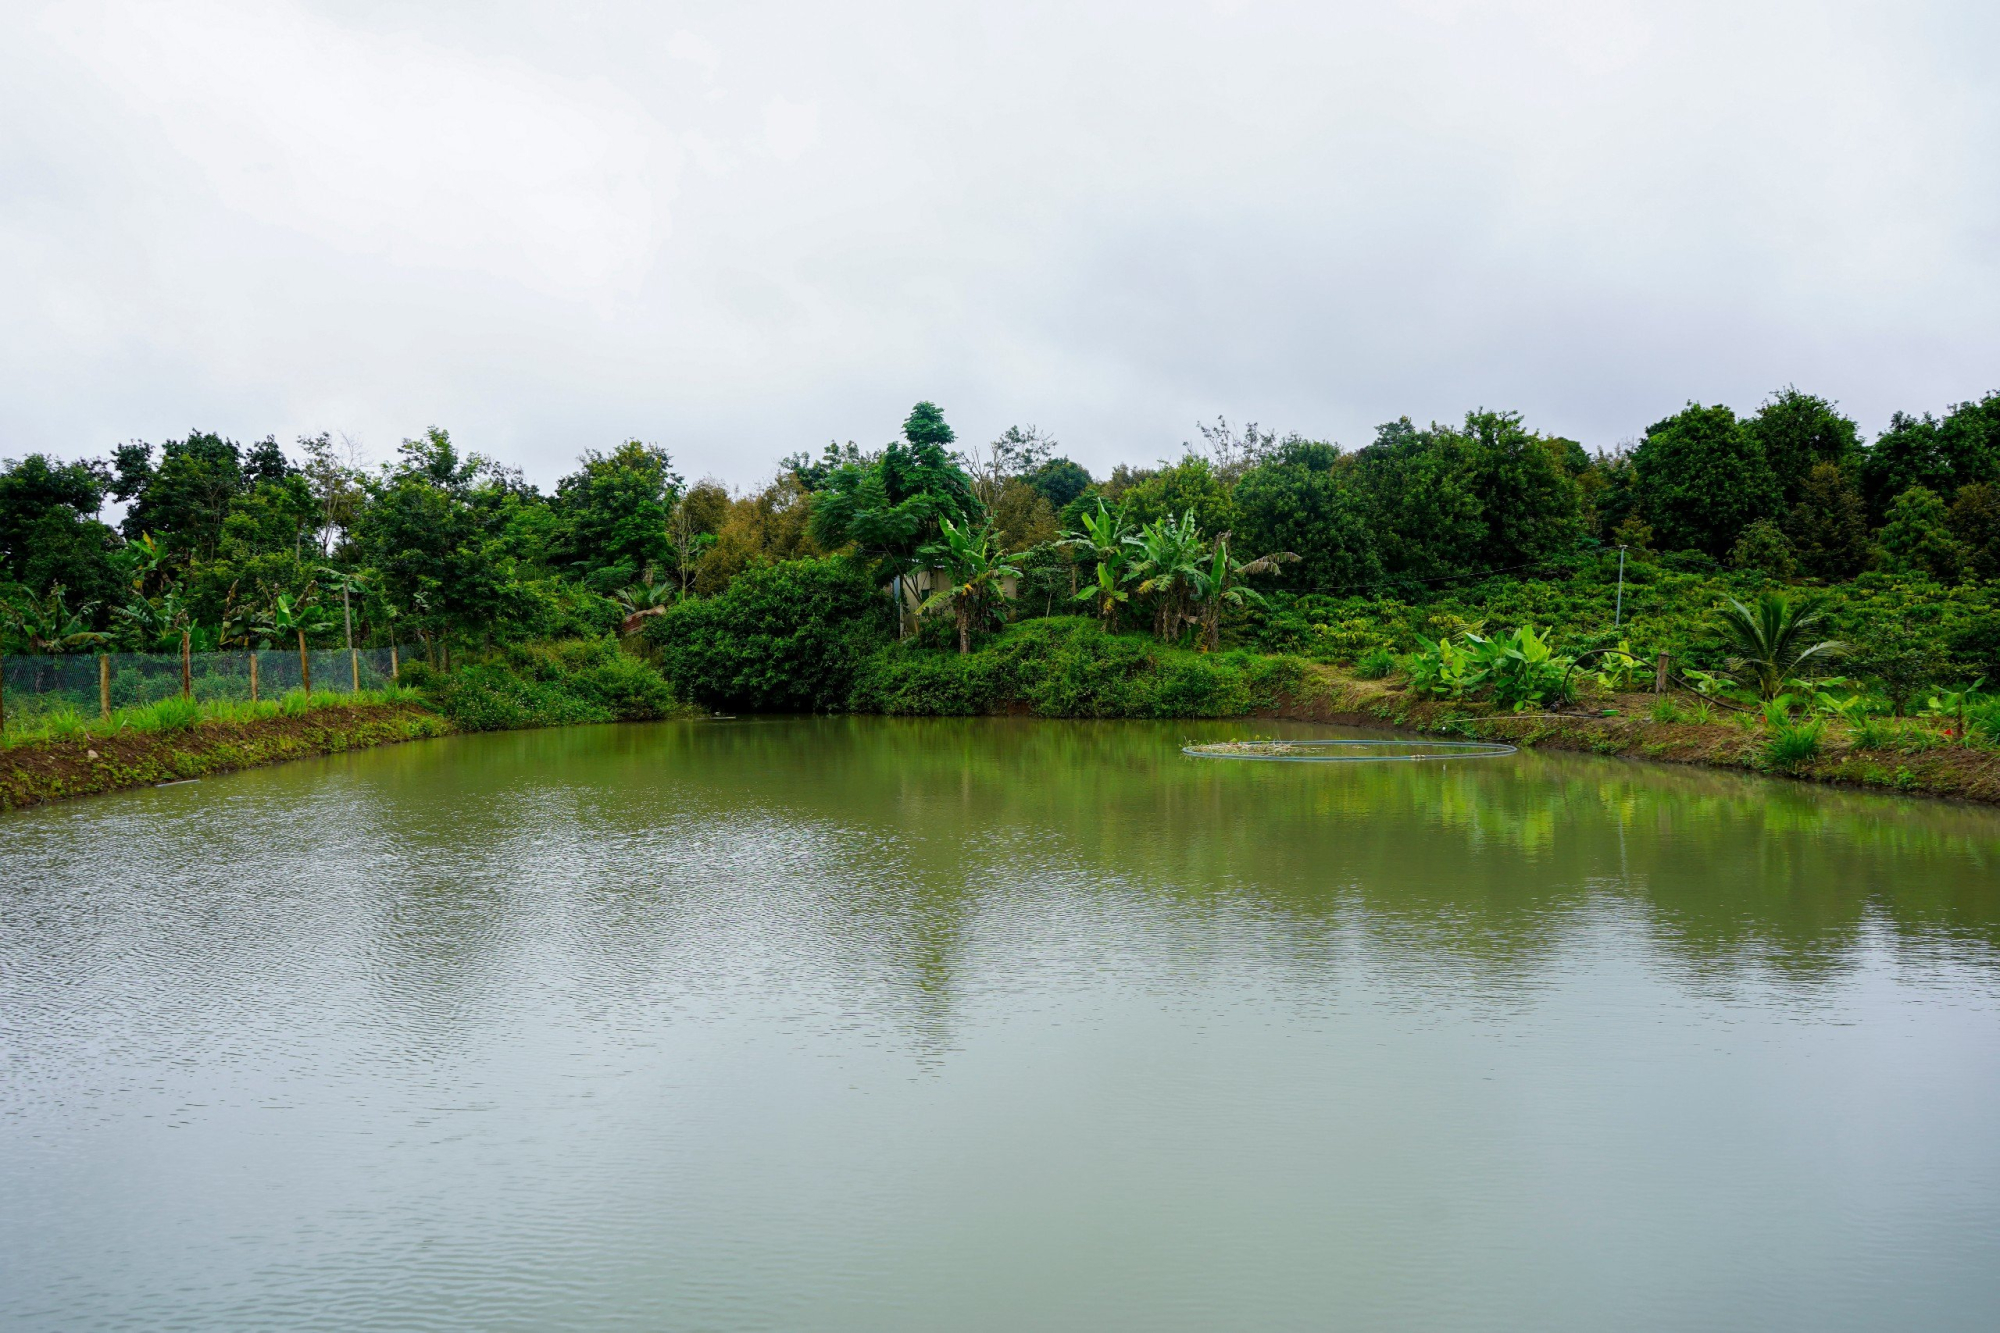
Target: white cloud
790, 128
1107, 218
390, 145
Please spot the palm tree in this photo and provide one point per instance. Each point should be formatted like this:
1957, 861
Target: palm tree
1773, 641
976, 572
1220, 589
1171, 569
640, 600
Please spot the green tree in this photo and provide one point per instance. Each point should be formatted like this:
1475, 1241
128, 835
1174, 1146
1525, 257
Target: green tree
185, 499
1918, 539
889, 507
1022, 516
1303, 499
1223, 589
1191, 485
1169, 565
1975, 521
49, 533
1422, 508
1530, 505
1060, 481
1702, 478
1765, 548
423, 531
1828, 525
1938, 455
613, 514
1800, 432
789, 637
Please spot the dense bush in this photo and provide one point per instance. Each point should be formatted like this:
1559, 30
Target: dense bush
781, 638
1069, 667
1902, 625
541, 685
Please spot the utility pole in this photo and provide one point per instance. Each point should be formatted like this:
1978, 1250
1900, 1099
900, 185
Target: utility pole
1618, 617
353, 660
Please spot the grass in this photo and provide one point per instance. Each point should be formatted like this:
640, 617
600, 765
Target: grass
1793, 745
177, 714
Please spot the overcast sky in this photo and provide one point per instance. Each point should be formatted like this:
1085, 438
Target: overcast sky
743, 229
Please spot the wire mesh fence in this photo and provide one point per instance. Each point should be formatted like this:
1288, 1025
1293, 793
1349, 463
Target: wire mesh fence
92, 683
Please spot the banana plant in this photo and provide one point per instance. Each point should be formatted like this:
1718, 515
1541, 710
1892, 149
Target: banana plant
155, 623
300, 616
1950, 706
1105, 592
141, 559
1104, 537
49, 625
1170, 566
1220, 589
975, 570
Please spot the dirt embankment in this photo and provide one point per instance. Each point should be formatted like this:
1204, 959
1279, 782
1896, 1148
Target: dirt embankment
55, 770
1923, 763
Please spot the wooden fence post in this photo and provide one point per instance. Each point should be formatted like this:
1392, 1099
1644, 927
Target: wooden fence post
253, 675
1660, 676
3, 694
187, 667
104, 685
395, 671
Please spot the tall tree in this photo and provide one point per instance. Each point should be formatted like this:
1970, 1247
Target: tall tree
1702, 478
1918, 539
1975, 521
614, 513
1059, 481
889, 507
1828, 525
1422, 505
1939, 455
425, 534
1531, 506
1303, 499
185, 497
49, 533
1799, 432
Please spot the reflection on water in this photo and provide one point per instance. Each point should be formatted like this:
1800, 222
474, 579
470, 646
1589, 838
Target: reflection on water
861, 1023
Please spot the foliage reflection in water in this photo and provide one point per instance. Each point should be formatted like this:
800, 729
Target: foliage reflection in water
864, 1023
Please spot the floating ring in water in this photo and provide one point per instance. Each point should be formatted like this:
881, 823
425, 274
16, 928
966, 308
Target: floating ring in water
1313, 752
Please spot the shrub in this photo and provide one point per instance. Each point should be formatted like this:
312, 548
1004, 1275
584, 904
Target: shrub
786, 637
542, 685
1069, 667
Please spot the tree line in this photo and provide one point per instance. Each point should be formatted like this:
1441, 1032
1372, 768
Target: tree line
222, 545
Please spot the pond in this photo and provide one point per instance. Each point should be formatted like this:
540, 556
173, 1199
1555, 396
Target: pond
864, 1023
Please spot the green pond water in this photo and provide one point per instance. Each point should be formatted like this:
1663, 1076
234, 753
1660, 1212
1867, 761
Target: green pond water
995, 1024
